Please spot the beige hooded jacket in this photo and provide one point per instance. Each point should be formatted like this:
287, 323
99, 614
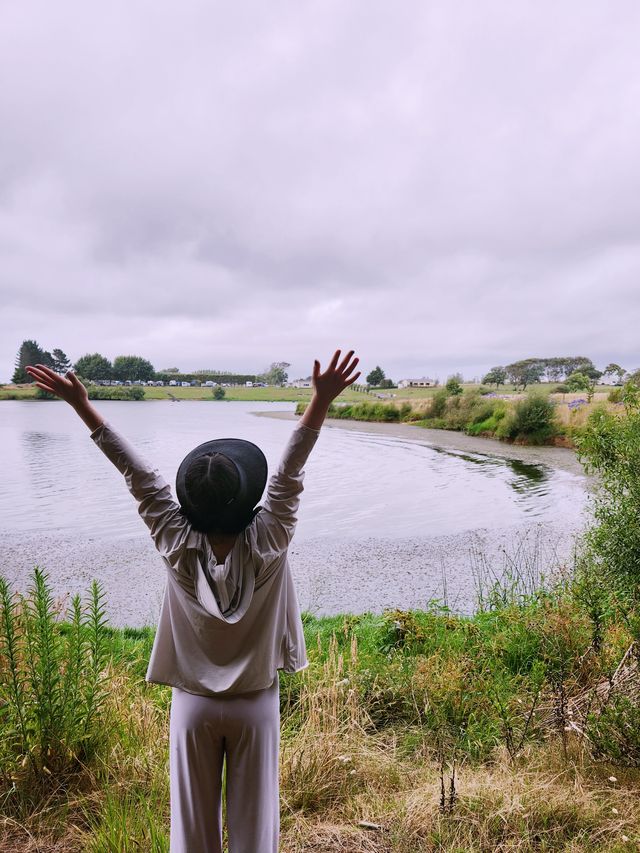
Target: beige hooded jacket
223, 628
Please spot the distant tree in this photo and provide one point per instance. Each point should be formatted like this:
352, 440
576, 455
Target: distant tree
30, 352
276, 374
554, 369
170, 370
219, 393
496, 376
525, 372
60, 361
132, 367
454, 385
578, 382
614, 369
387, 383
579, 364
94, 366
376, 376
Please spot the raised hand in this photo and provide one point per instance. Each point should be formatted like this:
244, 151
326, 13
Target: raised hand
68, 388
336, 377
327, 385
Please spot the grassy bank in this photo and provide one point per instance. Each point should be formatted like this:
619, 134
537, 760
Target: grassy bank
291, 395
410, 731
534, 418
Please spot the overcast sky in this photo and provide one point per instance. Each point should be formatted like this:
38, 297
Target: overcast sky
443, 185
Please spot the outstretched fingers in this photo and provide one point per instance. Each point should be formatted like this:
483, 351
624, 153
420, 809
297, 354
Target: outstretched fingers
334, 361
47, 379
349, 368
345, 361
38, 374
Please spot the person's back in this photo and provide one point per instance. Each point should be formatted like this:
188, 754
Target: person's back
230, 617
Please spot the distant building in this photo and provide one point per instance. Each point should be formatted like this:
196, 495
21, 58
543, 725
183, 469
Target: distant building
416, 383
301, 383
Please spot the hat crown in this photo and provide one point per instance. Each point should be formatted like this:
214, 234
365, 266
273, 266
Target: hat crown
219, 484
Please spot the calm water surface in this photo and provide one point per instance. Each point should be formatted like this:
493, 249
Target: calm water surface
358, 484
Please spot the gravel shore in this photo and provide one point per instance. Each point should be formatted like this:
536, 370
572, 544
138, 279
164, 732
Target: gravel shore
348, 576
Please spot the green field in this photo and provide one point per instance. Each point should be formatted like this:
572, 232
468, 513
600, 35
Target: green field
294, 395
272, 394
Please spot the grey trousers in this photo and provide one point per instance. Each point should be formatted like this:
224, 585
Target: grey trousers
244, 730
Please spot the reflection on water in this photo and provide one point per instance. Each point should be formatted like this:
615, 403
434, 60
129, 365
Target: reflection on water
357, 483
530, 479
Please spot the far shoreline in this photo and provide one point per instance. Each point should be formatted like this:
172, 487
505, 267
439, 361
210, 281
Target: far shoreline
562, 458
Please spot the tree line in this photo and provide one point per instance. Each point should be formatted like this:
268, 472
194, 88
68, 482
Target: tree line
97, 367
578, 372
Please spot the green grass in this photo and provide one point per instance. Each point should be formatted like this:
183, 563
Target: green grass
393, 708
9, 392
17, 392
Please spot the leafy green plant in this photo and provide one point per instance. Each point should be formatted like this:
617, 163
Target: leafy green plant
53, 682
438, 403
532, 419
614, 732
134, 392
609, 446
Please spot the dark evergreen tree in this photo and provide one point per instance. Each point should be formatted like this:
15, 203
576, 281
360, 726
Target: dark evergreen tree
30, 352
60, 361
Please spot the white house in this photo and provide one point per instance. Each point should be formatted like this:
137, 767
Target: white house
301, 383
416, 383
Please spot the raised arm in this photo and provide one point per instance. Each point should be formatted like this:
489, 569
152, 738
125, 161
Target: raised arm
280, 509
328, 385
156, 505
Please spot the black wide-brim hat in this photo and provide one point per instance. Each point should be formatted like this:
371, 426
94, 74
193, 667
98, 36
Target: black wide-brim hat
251, 466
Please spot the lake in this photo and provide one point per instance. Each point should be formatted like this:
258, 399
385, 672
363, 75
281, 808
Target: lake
386, 518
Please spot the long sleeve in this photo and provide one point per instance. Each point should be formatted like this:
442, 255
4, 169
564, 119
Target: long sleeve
277, 521
160, 512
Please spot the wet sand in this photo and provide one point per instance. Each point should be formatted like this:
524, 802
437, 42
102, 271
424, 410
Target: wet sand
348, 576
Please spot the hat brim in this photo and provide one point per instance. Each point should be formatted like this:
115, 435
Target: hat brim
251, 464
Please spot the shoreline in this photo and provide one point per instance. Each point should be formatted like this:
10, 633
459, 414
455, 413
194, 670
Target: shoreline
562, 458
364, 574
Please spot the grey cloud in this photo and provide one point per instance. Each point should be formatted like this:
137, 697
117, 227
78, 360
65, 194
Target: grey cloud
449, 185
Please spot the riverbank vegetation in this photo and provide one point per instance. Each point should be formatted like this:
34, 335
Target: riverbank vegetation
515, 728
410, 731
533, 418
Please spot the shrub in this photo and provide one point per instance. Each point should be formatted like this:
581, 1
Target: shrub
52, 685
438, 403
561, 389
615, 395
615, 731
491, 423
454, 386
134, 392
219, 393
610, 447
406, 412
533, 419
